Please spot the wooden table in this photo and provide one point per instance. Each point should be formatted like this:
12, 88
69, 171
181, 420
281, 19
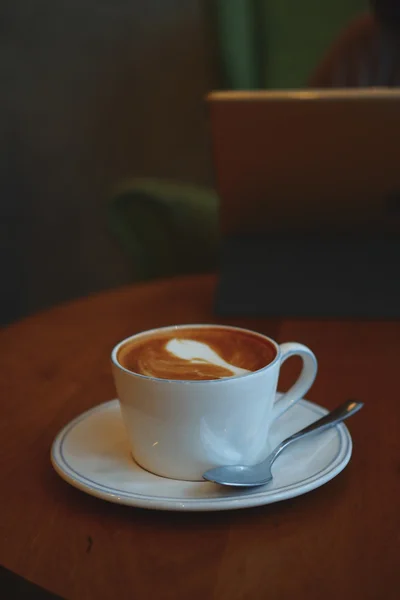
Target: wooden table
340, 541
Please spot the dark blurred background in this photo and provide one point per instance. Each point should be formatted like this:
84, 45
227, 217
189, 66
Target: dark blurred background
98, 91
93, 91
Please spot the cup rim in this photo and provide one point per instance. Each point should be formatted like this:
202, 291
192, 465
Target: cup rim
117, 347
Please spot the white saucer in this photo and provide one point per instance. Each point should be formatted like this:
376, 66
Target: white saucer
92, 454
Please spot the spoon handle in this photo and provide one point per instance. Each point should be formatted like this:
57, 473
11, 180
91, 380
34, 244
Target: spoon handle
339, 414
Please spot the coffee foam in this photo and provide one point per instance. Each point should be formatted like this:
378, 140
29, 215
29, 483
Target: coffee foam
196, 353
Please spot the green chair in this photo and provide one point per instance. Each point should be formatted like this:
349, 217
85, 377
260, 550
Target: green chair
168, 228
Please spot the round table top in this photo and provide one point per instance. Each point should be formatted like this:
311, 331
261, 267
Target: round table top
339, 541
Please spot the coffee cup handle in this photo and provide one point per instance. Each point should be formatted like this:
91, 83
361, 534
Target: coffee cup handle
303, 383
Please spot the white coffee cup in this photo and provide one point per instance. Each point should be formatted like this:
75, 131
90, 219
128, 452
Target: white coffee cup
179, 429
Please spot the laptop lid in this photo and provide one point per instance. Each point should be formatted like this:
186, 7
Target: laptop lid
306, 160
309, 184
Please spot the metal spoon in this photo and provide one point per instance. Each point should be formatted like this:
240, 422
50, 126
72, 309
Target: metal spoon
260, 474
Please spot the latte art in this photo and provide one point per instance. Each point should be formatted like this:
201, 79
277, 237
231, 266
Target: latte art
197, 353
200, 354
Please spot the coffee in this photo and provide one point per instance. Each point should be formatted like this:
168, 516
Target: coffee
196, 353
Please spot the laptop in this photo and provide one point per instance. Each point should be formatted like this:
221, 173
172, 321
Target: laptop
309, 186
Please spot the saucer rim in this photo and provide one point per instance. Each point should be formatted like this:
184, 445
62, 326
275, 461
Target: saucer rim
237, 499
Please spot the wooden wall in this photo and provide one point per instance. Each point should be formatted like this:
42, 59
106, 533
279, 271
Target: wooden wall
93, 91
